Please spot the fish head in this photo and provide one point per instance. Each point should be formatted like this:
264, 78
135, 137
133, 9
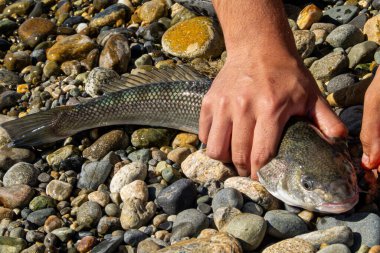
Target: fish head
312, 174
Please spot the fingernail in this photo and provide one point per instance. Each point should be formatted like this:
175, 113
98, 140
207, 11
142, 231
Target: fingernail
365, 161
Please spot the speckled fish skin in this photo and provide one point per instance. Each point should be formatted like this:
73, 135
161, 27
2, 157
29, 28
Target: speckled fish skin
310, 172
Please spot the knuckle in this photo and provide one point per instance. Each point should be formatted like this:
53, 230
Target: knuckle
240, 159
260, 158
215, 153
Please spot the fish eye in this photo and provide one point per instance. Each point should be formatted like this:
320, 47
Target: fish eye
307, 183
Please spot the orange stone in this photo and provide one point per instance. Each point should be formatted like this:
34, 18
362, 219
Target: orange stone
22, 88
372, 29
308, 16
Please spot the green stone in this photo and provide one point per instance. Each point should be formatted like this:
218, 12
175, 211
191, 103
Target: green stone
41, 202
11, 245
150, 137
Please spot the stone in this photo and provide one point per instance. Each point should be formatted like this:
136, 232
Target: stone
151, 11
136, 213
116, 54
19, 8
227, 197
305, 42
21, 173
248, 228
6, 213
309, 15
52, 223
134, 236
7, 26
361, 53
113, 140
148, 245
253, 208
16, 61
223, 215
135, 190
185, 139
39, 217
253, 190
9, 78
63, 233
283, 224
371, 29
293, 245
341, 248
12, 245
338, 234
345, 36
59, 190
374, 249
192, 218
94, 174
61, 154
86, 244
365, 227
100, 197
108, 245
329, 66
89, 214
71, 68
110, 15
127, 174
35, 30
8, 99
107, 224
178, 196
150, 137
339, 82
73, 47
359, 21
178, 155
16, 196
41, 202
340, 14
97, 78
142, 155
183, 39
201, 169
219, 242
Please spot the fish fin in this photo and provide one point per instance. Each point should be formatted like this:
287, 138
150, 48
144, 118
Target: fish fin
34, 129
179, 73
271, 173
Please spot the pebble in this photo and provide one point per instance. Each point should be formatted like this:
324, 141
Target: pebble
12, 245
338, 234
152, 11
178, 155
21, 173
6, 213
134, 236
148, 245
365, 227
142, 155
35, 30
108, 245
41, 202
189, 218
339, 82
107, 224
228, 197
73, 47
183, 39
116, 54
9, 78
340, 14
253, 208
329, 66
8, 99
253, 190
52, 223
283, 224
16, 196
19, 8
113, 140
201, 169
61, 154
97, 78
136, 213
127, 174
223, 215
359, 21
59, 190
305, 42
7, 26
150, 137
362, 53
219, 242
86, 244
100, 197
34, 236
293, 245
345, 36
341, 248
39, 217
63, 233
309, 15
135, 190
374, 249
371, 29
16, 61
178, 196
110, 15
89, 214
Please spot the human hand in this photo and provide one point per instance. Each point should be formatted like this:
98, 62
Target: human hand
249, 103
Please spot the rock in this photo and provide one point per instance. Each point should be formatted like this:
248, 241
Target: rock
100, 197
374, 249
12, 245
253, 208
7, 26
305, 42
52, 223
340, 14
248, 228
199, 7
152, 11
136, 213
113, 140
338, 234
341, 248
94, 174
108, 224
71, 68
345, 36
150, 137
283, 224
329, 66
339, 82
220, 242
200, 168
293, 245
328, 27
108, 245
253, 190
86, 244
227, 197
116, 54
89, 214
365, 227
6, 213
110, 15
35, 30
9, 78
359, 21
183, 40
178, 196
308, 16
19, 8
192, 218
134, 236
127, 174
41, 202
185, 139
59, 190
63, 233
73, 47
16, 196
362, 53
135, 190
21, 173
39, 217
371, 29
148, 245
142, 155
16, 61
61, 154
97, 78
179, 154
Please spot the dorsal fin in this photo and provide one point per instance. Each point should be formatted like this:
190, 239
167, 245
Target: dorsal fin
179, 73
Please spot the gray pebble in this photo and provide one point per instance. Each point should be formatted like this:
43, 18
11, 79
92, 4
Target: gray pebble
334, 248
283, 224
228, 197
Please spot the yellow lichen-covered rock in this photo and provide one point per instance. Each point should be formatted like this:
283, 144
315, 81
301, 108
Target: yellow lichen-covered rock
308, 16
372, 29
196, 37
71, 47
182, 139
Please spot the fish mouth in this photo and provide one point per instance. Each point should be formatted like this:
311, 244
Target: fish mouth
339, 207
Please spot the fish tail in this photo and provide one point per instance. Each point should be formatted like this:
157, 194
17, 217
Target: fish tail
35, 129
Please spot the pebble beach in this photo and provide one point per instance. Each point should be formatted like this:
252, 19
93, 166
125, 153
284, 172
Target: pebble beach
140, 189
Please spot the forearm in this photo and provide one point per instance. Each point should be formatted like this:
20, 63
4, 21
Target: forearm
253, 27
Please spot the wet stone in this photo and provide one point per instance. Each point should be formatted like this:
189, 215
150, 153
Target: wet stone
150, 137
35, 30
17, 61
86, 244
7, 26
116, 54
110, 15
20, 7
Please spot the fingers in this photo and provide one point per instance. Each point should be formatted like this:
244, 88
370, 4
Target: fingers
327, 121
205, 121
241, 144
266, 138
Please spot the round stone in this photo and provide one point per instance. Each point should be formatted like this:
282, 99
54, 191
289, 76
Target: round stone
89, 214
21, 173
59, 190
228, 197
345, 36
283, 224
35, 30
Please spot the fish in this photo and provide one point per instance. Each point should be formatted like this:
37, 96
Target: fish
309, 171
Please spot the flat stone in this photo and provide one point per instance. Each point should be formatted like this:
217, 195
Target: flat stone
39, 217
61, 154
41, 202
359, 21
109, 245
362, 53
293, 245
63, 233
338, 234
151, 11
340, 14
94, 174
127, 174
110, 15
329, 66
345, 36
